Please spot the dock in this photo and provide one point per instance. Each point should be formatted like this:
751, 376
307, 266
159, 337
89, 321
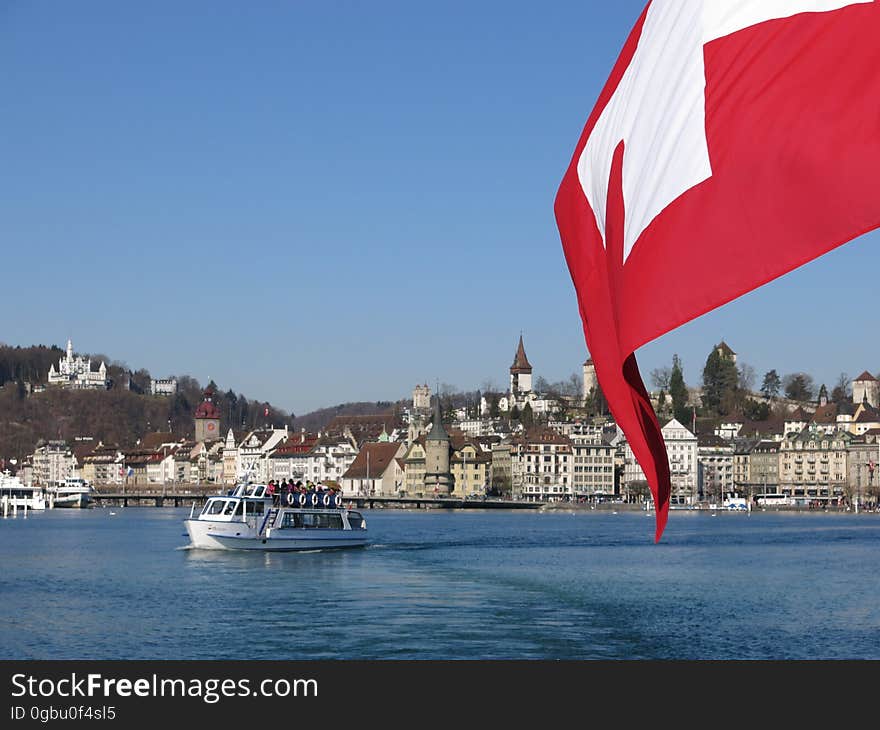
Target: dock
198, 495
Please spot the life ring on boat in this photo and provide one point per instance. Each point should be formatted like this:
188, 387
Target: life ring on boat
290, 499
327, 500
302, 499
314, 499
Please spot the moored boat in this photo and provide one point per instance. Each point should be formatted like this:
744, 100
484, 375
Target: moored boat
72, 492
15, 494
248, 519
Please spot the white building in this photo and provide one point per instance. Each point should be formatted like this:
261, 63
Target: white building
593, 468
681, 450
542, 463
251, 455
53, 462
163, 386
76, 372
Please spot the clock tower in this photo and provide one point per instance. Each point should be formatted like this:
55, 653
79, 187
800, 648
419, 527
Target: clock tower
207, 417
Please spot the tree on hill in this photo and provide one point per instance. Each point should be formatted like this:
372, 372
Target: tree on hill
527, 418
771, 385
841, 393
678, 391
720, 383
799, 387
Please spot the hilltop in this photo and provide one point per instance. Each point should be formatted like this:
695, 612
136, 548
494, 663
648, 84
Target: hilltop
121, 414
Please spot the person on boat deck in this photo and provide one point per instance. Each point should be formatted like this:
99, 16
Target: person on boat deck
270, 490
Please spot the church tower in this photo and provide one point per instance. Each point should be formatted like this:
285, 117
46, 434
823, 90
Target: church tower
520, 372
207, 417
437, 474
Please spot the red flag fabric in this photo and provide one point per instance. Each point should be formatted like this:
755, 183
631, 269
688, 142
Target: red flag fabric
734, 141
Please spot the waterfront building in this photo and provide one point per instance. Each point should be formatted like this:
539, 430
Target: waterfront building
326, 461
545, 463
229, 455
53, 462
251, 453
163, 386
414, 460
501, 470
593, 464
715, 473
812, 465
764, 467
103, 465
863, 462
681, 451
75, 372
471, 468
377, 471
866, 388
742, 449
291, 459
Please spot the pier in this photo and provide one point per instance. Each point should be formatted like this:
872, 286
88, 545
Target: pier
197, 495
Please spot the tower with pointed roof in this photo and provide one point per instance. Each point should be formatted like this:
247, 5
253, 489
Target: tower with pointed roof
520, 372
438, 477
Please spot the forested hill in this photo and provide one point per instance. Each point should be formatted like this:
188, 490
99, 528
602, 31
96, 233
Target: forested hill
120, 415
317, 420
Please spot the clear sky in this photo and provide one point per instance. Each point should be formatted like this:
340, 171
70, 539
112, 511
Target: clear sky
316, 202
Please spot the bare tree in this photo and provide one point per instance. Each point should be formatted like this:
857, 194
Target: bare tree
660, 377
746, 377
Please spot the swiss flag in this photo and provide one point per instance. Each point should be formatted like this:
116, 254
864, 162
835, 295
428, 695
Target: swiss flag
734, 141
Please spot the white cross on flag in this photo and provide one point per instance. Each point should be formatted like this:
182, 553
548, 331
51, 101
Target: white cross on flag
734, 141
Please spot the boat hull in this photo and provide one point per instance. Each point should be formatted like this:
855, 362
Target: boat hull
238, 536
72, 501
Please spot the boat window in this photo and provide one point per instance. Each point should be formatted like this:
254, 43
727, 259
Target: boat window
355, 520
216, 507
330, 521
254, 508
230, 507
258, 492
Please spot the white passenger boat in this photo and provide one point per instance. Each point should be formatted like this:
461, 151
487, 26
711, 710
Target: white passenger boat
246, 519
72, 492
15, 494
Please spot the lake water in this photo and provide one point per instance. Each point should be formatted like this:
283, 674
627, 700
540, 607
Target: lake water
447, 585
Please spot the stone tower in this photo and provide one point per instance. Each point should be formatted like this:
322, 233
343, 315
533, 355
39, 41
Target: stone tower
590, 380
207, 417
438, 478
520, 372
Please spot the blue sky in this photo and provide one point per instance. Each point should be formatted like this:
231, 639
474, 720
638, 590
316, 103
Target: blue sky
317, 202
